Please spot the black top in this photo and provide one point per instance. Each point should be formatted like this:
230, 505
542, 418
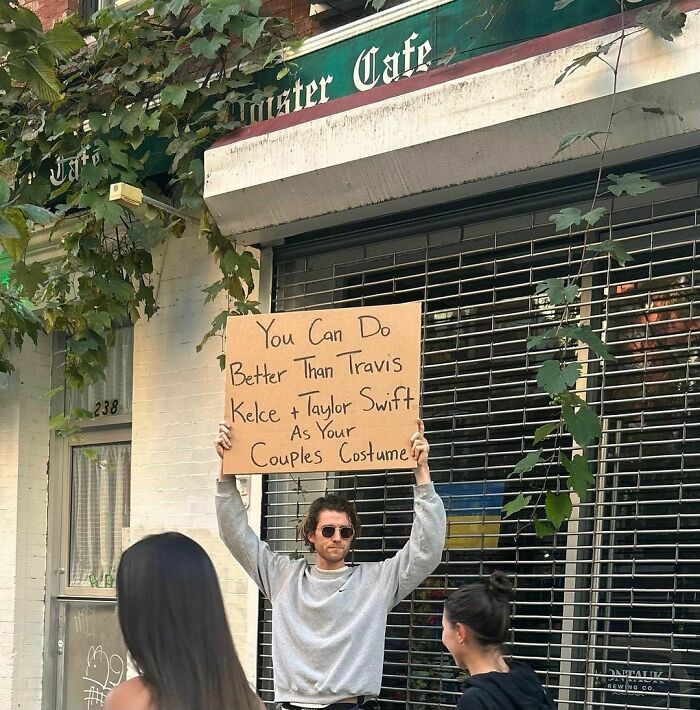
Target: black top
517, 690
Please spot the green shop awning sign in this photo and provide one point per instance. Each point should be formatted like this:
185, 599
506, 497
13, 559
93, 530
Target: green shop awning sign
381, 56
411, 45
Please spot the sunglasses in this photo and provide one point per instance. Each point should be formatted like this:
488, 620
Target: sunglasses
346, 532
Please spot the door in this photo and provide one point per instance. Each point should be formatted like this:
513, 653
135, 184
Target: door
89, 496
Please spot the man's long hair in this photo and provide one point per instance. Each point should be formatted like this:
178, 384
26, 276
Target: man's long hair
174, 624
332, 501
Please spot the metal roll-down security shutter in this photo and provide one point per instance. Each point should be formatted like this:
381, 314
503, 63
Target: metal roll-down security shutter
608, 611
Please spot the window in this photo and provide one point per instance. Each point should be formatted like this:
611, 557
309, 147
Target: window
607, 610
99, 512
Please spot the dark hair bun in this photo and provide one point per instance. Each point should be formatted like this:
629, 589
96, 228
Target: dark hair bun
500, 587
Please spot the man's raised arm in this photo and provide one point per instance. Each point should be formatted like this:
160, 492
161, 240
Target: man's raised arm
419, 557
267, 569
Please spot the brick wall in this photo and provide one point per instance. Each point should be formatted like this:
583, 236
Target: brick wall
307, 26
296, 10
9, 457
24, 439
49, 11
178, 402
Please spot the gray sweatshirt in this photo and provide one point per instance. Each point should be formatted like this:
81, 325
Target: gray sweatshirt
328, 628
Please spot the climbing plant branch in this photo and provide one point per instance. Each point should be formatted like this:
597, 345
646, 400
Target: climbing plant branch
132, 96
576, 422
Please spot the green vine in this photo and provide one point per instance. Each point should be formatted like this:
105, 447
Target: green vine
560, 377
132, 96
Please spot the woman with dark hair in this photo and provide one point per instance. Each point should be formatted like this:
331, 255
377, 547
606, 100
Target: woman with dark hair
174, 624
475, 625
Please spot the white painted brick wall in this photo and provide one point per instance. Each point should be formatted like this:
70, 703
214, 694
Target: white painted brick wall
178, 402
24, 441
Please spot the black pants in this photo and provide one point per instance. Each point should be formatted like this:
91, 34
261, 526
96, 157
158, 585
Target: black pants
369, 704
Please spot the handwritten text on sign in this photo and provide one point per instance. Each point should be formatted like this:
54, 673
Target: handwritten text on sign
331, 390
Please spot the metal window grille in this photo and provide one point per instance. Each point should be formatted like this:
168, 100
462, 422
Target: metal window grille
608, 611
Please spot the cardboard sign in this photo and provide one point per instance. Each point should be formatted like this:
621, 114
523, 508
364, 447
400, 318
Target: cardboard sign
330, 390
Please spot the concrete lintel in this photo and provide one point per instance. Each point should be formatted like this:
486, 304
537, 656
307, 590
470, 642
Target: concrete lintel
477, 133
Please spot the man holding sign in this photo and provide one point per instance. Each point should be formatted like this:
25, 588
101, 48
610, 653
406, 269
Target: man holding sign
329, 619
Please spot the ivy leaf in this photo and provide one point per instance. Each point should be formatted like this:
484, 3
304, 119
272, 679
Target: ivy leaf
612, 247
107, 210
584, 60
99, 320
253, 6
131, 119
202, 47
253, 30
631, 184
535, 340
553, 379
216, 15
40, 76
117, 154
245, 308
97, 121
175, 7
174, 94
27, 277
571, 216
149, 121
93, 175
558, 292
217, 325
5, 80
567, 217
580, 477
4, 192
213, 291
63, 40
664, 21
543, 528
587, 336
38, 215
222, 361
558, 507
583, 424
196, 168
247, 263
15, 246
544, 431
7, 229
528, 462
53, 392
595, 215
58, 422
570, 138
516, 505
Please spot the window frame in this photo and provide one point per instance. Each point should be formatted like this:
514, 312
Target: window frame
99, 435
